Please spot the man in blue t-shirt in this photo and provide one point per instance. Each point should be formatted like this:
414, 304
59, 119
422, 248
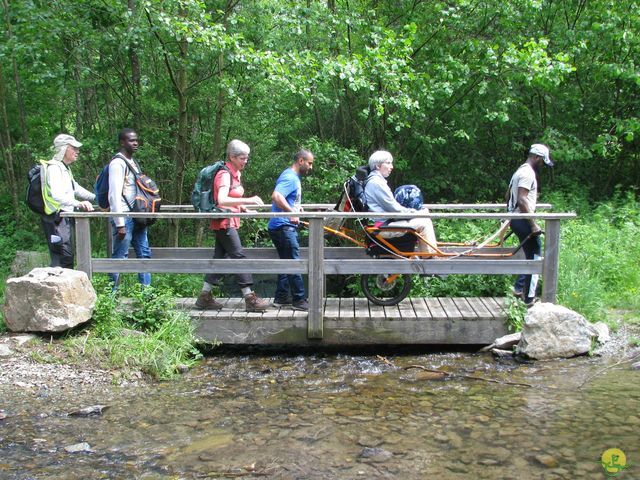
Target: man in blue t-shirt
287, 197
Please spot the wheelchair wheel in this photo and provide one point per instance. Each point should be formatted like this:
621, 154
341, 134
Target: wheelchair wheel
386, 289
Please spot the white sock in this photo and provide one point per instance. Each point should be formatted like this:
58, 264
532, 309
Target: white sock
206, 287
245, 291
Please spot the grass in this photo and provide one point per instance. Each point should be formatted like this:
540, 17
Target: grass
600, 260
133, 331
146, 333
516, 311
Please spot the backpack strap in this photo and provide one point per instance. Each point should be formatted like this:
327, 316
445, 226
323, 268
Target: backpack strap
127, 167
127, 163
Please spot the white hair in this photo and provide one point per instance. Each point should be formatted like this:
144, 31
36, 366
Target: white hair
237, 147
378, 158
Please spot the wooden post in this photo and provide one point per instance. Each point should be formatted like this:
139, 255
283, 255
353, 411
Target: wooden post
83, 246
109, 238
316, 278
551, 260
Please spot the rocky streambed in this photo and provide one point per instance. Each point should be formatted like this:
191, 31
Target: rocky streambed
319, 416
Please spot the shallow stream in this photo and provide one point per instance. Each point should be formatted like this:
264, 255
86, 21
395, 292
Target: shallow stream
334, 416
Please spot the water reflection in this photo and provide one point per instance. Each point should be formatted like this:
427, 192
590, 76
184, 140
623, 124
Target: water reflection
333, 417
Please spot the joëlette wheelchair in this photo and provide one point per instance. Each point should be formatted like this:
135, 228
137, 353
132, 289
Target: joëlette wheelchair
382, 241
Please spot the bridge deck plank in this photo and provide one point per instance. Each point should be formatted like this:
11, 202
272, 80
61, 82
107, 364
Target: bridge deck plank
349, 321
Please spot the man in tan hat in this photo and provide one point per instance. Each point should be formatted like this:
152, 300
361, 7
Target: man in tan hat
61, 193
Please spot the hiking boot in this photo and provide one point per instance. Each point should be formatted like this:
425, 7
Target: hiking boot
530, 302
301, 305
286, 302
205, 301
254, 303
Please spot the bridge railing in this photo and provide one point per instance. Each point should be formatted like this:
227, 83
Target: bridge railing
319, 260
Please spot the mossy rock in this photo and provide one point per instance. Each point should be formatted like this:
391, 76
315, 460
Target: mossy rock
26, 260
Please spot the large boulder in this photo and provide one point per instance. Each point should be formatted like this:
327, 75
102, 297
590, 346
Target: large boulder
48, 300
553, 331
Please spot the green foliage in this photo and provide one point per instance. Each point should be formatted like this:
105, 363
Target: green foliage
146, 332
457, 91
333, 165
516, 311
599, 259
148, 308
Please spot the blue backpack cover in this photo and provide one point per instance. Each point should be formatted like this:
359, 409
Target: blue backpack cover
101, 187
409, 196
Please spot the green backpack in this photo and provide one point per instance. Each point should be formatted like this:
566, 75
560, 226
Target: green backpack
202, 194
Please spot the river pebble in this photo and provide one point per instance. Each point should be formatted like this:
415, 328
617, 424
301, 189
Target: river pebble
548, 461
455, 440
78, 448
5, 351
375, 454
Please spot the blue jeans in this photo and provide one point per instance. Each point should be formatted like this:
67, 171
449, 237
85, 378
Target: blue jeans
136, 237
532, 249
285, 239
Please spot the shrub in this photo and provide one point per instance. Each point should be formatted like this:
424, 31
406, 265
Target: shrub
143, 332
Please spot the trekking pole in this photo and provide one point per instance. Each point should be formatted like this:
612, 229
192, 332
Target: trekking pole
529, 237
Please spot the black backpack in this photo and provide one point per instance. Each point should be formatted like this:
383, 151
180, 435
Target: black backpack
354, 188
34, 190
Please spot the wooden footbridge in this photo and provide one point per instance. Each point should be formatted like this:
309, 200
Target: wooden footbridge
357, 321
335, 321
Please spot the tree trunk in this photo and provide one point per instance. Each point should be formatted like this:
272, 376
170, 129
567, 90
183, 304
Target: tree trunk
217, 143
7, 146
79, 95
24, 132
181, 156
135, 72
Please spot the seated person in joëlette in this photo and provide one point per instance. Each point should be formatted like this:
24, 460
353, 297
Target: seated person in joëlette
379, 198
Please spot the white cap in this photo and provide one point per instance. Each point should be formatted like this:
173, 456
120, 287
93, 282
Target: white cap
64, 139
542, 151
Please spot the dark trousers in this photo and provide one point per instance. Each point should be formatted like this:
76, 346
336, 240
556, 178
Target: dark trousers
59, 234
531, 248
228, 245
285, 239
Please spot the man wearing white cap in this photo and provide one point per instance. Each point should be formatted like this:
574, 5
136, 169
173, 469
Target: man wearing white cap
61, 193
522, 198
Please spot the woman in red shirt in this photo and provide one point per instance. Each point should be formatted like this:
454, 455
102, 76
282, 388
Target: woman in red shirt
228, 193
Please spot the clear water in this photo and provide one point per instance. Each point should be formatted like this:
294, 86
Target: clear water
334, 417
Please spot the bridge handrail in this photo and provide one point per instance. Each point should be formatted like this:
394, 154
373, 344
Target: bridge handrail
316, 265
324, 215
431, 206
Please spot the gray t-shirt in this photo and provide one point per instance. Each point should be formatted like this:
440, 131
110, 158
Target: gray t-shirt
525, 177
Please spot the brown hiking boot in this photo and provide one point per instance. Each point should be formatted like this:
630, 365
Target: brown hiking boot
254, 303
205, 301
